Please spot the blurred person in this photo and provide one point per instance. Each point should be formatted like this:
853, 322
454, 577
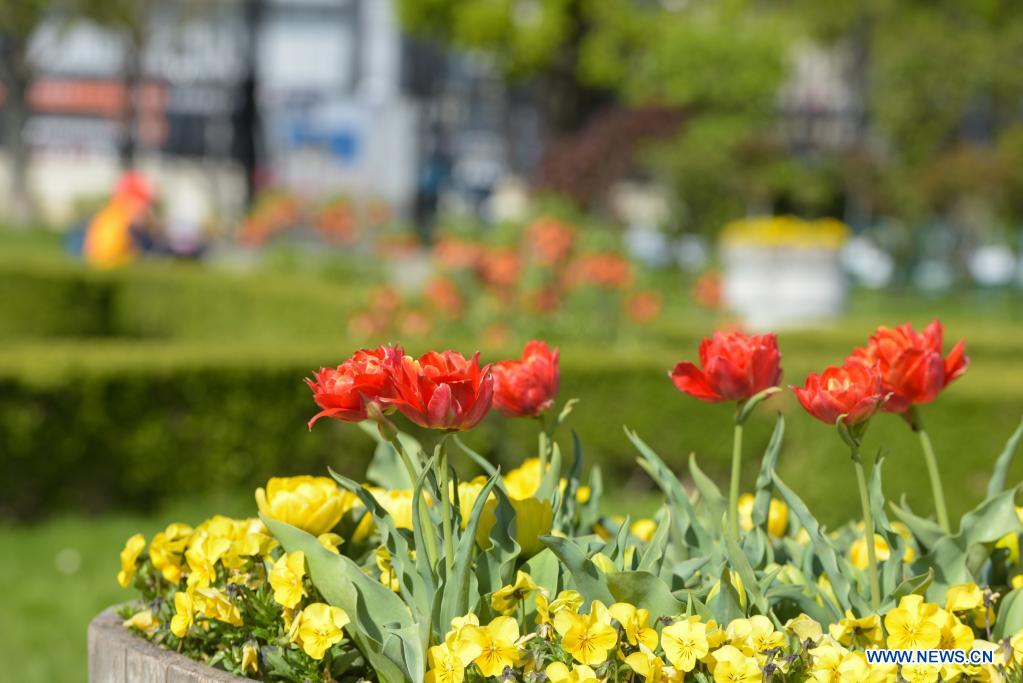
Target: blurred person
124, 227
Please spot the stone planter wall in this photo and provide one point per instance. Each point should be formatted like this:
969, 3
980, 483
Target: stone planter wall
116, 655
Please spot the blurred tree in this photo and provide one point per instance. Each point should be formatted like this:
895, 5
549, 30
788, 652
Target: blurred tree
18, 19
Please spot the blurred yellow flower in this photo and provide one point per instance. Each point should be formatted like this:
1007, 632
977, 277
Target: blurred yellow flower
331, 542
184, 614
858, 551
388, 576
213, 603
506, 599
320, 627
204, 551
805, 628
643, 529
497, 643
557, 672
286, 579
142, 621
250, 658
533, 518
397, 503
777, 515
313, 504
132, 548
468, 492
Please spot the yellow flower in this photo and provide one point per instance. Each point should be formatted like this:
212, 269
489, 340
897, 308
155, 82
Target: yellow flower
603, 563
250, 658
331, 542
864, 632
313, 504
805, 628
497, 642
388, 576
955, 635
143, 621
827, 659
167, 550
397, 503
214, 604
505, 600
652, 668
1017, 581
524, 480
919, 673
286, 579
587, 637
754, 636
320, 628
969, 597
468, 492
546, 610
684, 642
912, 626
129, 556
777, 515
734, 667
858, 551
246, 538
636, 622
1016, 643
204, 551
533, 518
643, 529
184, 614
1010, 542
558, 672
447, 661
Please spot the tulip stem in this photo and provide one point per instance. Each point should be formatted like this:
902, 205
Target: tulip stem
932, 470
445, 497
733, 488
868, 523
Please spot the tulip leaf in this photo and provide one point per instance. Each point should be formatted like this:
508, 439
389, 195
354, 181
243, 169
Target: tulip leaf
725, 605
762, 502
1010, 616
709, 491
926, 531
740, 563
646, 591
652, 555
386, 468
476, 458
914, 584
342, 584
397, 645
588, 512
1001, 471
891, 570
822, 547
589, 580
456, 587
551, 479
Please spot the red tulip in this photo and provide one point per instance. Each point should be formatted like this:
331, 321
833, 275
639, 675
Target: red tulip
853, 390
344, 392
527, 387
442, 390
735, 367
911, 366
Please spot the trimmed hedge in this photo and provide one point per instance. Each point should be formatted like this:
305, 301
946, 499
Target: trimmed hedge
114, 424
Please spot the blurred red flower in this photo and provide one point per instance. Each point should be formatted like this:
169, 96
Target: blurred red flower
501, 268
853, 390
443, 295
707, 290
607, 271
526, 387
910, 363
550, 241
442, 390
644, 307
345, 391
453, 254
735, 367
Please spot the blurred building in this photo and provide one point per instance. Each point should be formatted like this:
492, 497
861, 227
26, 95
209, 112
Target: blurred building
323, 97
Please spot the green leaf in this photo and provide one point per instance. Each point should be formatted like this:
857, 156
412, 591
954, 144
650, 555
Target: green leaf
456, 587
1001, 471
740, 563
725, 605
386, 468
926, 531
589, 580
1010, 616
650, 559
551, 479
710, 493
762, 503
914, 584
477, 458
646, 591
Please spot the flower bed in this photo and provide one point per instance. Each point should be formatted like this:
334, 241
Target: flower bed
518, 576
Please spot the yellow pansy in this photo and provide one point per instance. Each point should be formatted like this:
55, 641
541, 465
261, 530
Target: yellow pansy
246, 538
643, 529
804, 628
636, 623
567, 600
447, 661
497, 642
505, 600
684, 642
213, 603
864, 632
587, 637
969, 598
204, 551
754, 636
184, 614
955, 635
129, 556
250, 658
827, 658
167, 550
652, 668
732, 666
331, 542
313, 504
320, 627
1016, 643
286, 579
912, 625
557, 672
143, 621
777, 515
